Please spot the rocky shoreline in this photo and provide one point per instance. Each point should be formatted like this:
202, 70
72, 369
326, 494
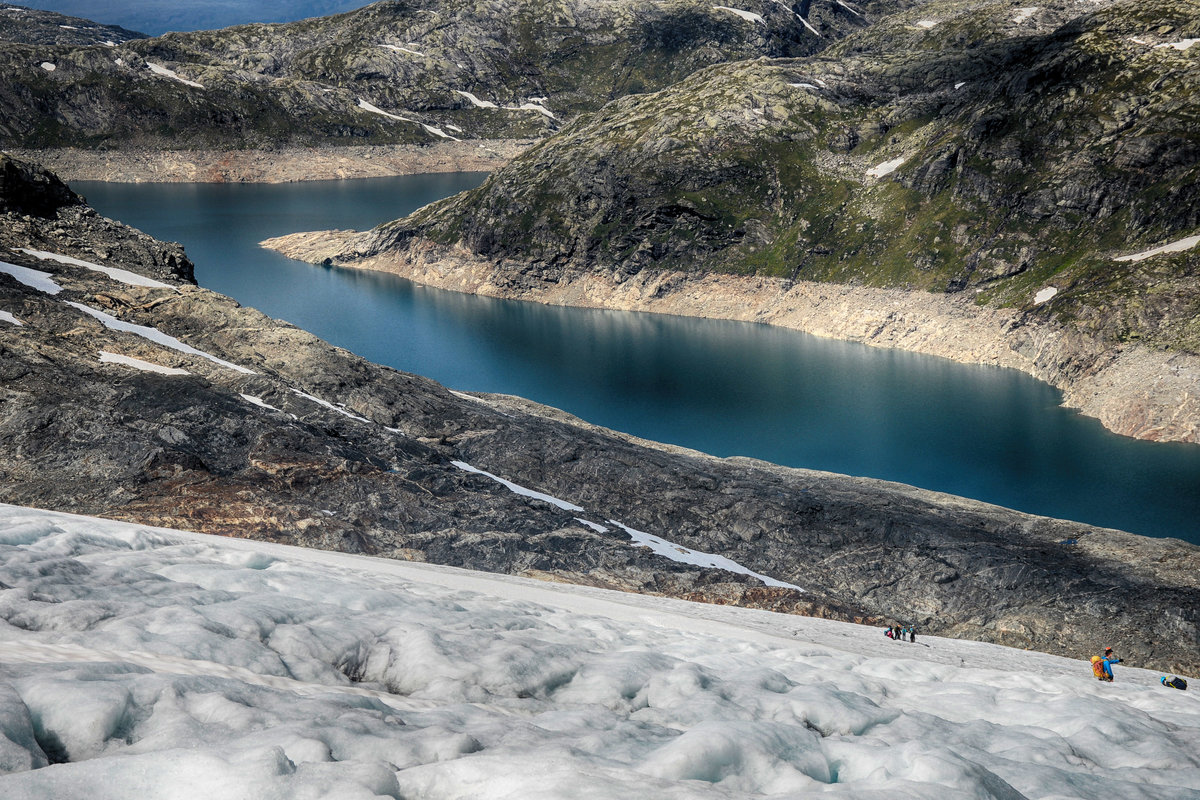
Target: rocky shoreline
1133, 390
281, 165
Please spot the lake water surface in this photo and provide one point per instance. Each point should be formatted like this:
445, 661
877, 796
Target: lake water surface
725, 388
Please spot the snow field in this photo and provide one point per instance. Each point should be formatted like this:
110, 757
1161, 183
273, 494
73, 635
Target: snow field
1173, 247
137, 363
158, 664
44, 282
886, 168
123, 275
749, 16
159, 69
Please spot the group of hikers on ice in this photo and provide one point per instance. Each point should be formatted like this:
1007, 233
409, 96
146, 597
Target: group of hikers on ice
1101, 664
901, 634
1102, 669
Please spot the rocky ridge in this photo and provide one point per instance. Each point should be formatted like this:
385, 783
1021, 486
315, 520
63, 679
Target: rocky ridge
1002, 159
390, 73
256, 428
32, 26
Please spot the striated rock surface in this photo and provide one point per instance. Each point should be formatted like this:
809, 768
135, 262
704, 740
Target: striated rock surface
271, 433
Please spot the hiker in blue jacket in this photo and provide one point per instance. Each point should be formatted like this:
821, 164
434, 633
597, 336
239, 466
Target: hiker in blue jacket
1107, 660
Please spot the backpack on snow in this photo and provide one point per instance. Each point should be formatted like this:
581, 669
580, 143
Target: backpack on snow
1175, 683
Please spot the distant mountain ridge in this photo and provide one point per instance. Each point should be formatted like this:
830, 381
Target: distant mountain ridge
390, 73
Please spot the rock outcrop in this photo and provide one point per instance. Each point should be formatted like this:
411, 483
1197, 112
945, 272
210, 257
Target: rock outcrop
252, 427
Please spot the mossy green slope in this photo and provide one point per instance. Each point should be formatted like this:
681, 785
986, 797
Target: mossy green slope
957, 146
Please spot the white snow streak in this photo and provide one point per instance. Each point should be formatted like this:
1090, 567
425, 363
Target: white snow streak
685, 555
258, 401
137, 363
154, 335
475, 101
1181, 45
886, 168
49, 67
1045, 294
6, 316
399, 49
849, 8
33, 278
538, 107
534, 104
749, 16
926, 23
1023, 14
159, 69
658, 545
1173, 247
521, 490
374, 109
122, 275
436, 131
332, 407
803, 86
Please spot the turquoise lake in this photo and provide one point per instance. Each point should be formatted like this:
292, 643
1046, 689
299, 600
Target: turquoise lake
724, 388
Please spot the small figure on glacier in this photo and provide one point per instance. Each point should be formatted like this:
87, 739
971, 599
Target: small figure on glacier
1102, 665
1174, 682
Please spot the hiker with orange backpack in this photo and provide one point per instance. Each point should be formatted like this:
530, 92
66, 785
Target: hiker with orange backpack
1102, 665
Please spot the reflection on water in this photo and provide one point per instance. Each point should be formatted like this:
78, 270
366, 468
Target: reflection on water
721, 387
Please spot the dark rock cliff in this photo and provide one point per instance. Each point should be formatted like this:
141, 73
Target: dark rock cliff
317, 447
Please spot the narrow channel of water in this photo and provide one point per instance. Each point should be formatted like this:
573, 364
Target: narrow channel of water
725, 388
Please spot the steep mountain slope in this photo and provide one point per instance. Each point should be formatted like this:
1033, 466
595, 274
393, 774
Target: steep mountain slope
163, 403
391, 72
1000, 153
